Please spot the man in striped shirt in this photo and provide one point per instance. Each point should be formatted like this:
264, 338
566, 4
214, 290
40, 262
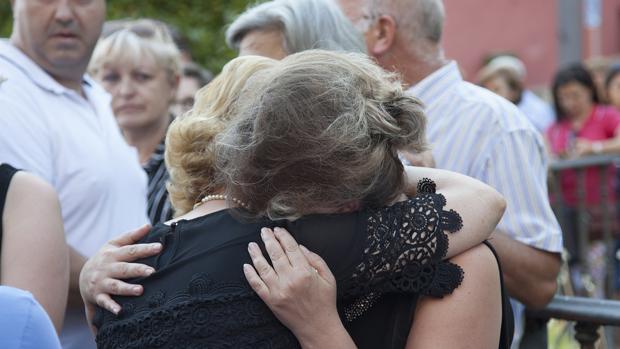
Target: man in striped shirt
475, 132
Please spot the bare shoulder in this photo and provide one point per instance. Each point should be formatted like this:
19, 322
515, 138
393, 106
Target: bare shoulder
28, 189
29, 183
479, 263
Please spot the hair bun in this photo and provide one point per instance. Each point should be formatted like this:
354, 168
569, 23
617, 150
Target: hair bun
409, 120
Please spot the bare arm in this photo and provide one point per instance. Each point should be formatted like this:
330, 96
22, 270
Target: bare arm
76, 262
529, 273
585, 147
34, 253
480, 206
471, 316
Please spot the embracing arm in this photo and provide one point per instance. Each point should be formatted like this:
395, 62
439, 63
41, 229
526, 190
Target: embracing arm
34, 252
480, 206
475, 308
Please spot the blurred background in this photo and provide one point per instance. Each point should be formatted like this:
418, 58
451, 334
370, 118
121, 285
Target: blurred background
543, 34
202, 22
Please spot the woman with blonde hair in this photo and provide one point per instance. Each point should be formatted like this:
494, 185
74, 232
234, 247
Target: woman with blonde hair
312, 148
138, 63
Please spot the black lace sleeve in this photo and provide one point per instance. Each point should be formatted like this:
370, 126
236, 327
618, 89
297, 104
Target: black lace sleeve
404, 253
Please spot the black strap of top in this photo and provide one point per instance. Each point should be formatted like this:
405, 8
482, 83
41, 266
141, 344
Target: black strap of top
508, 325
6, 174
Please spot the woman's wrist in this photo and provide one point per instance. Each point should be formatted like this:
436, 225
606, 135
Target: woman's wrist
597, 147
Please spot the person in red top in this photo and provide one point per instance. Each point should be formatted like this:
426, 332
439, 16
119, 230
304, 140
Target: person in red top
583, 128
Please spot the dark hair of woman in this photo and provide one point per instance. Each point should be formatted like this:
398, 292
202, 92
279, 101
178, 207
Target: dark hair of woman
572, 73
613, 72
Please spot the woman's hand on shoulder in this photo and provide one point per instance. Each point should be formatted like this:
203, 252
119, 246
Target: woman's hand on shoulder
299, 289
102, 273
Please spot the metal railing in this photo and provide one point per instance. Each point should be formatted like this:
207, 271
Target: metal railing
588, 314
582, 210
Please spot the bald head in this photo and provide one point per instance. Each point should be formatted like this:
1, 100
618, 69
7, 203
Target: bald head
417, 19
402, 35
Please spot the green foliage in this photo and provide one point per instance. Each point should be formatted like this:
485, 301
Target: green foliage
6, 19
202, 21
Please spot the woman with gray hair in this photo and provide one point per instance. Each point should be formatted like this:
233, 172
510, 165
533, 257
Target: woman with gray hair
279, 28
315, 135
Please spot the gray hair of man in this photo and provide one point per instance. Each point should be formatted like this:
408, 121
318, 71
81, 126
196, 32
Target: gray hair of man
420, 20
305, 25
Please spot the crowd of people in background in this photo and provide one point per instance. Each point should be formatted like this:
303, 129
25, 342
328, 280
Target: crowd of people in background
343, 122
584, 122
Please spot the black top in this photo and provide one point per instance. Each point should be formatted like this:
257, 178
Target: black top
6, 175
199, 298
159, 209
397, 311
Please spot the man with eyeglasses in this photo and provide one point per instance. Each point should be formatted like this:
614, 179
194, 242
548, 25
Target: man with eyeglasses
57, 123
474, 132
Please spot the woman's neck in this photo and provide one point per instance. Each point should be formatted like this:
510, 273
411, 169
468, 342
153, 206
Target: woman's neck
146, 139
203, 209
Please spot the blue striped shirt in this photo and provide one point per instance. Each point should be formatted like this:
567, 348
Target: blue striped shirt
477, 133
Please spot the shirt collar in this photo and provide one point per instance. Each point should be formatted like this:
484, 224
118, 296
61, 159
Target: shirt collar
36, 74
433, 86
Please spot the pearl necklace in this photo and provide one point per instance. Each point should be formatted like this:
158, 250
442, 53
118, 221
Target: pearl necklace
220, 197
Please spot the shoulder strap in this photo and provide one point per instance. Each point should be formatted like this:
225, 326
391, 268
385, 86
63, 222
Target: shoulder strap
508, 326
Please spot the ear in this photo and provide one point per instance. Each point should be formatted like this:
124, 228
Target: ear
382, 35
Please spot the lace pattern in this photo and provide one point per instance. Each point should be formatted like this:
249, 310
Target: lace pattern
207, 315
405, 250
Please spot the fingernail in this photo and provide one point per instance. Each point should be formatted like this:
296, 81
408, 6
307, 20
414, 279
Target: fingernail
136, 289
264, 232
251, 247
246, 267
156, 246
115, 310
149, 271
277, 230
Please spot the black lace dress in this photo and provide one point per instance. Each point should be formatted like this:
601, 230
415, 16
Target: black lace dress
199, 298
